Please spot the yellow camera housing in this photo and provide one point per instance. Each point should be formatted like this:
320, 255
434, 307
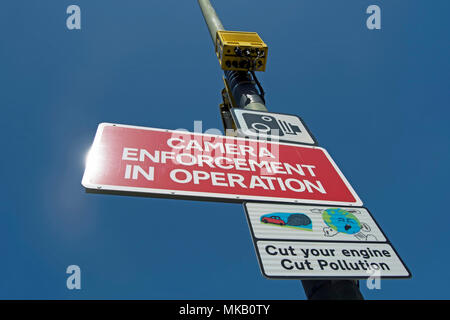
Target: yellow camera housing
241, 51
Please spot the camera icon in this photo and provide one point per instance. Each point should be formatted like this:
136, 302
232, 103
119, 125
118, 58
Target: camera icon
268, 125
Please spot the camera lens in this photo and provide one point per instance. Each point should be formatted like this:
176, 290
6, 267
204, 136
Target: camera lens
261, 127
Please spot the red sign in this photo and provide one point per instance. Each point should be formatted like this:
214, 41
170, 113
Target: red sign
138, 160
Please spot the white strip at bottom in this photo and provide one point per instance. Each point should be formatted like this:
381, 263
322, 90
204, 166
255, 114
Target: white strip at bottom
304, 260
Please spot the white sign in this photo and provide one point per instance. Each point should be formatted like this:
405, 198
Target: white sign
302, 260
273, 126
316, 241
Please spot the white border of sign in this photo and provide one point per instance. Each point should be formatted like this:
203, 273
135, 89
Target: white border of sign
195, 195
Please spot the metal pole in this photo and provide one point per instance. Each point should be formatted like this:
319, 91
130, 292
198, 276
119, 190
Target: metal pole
211, 18
244, 91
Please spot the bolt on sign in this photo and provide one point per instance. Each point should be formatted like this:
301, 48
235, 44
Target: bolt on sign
312, 241
178, 164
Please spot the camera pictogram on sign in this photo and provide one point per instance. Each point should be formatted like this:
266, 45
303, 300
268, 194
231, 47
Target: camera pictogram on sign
274, 126
269, 125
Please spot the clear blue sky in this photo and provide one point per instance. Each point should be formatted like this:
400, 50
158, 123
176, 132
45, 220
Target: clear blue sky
378, 101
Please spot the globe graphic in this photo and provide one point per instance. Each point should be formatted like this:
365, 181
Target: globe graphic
341, 220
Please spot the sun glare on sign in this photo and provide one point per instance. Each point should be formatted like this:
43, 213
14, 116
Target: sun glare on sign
93, 165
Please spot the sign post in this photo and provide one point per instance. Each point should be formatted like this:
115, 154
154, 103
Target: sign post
327, 236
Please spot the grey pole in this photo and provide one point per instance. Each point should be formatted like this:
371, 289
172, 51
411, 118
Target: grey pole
211, 18
247, 96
